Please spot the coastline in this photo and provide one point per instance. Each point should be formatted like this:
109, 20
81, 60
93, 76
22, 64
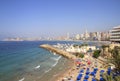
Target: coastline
58, 51
65, 72
59, 71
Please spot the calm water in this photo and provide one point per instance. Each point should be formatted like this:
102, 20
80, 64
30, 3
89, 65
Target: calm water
26, 61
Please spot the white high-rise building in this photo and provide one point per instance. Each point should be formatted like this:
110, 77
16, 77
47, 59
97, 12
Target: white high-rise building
115, 34
86, 35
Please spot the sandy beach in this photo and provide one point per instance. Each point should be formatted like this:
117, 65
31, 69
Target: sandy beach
72, 73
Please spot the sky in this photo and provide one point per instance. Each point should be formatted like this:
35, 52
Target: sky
35, 18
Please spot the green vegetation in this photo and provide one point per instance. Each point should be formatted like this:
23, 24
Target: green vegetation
84, 44
110, 77
107, 77
96, 53
76, 45
79, 55
115, 54
115, 59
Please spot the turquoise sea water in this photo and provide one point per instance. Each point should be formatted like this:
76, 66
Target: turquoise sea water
18, 59
26, 61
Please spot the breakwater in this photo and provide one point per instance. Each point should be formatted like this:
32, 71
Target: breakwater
58, 51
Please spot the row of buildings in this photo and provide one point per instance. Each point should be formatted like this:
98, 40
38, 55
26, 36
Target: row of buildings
112, 35
100, 36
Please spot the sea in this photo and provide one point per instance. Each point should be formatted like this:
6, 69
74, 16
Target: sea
26, 61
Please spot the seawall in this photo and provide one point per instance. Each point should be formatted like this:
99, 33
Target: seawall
58, 51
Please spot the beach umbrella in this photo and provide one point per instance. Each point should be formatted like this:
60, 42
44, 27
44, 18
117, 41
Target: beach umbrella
109, 69
86, 77
93, 79
79, 77
101, 79
87, 72
78, 62
89, 62
81, 71
108, 72
102, 71
95, 69
92, 73
85, 80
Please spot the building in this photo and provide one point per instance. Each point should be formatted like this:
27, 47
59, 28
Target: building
86, 35
115, 34
98, 35
77, 37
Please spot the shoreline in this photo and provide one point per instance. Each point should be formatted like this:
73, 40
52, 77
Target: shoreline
65, 72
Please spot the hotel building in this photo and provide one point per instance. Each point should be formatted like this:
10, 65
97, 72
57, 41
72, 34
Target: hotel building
115, 34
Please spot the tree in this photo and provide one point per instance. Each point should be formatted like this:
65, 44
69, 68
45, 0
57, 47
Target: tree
96, 53
79, 55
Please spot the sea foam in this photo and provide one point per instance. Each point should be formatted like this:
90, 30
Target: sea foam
56, 59
37, 67
22, 79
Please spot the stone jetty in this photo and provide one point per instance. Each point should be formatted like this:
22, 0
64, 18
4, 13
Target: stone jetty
58, 51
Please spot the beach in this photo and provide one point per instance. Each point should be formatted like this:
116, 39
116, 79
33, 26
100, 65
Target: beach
73, 72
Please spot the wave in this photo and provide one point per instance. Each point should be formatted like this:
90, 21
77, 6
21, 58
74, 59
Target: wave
55, 64
56, 59
22, 79
48, 70
37, 67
